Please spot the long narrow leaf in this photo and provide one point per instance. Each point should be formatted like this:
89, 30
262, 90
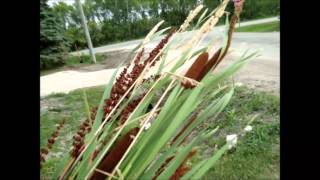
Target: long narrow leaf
86, 104
200, 19
153, 129
106, 94
181, 155
163, 136
210, 162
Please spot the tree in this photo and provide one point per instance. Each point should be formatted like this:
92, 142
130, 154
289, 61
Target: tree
116, 20
52, 41
63, 10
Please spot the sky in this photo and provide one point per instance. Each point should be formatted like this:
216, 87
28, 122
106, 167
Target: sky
69, 2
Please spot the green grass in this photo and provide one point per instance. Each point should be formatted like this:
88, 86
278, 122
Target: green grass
86, 59
255, 157
264, 27
55, 107
74, 61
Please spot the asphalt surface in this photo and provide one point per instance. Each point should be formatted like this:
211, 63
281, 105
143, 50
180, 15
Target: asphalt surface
261, 73
131, 44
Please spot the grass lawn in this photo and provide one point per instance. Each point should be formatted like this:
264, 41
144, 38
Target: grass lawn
256, 156
264, 27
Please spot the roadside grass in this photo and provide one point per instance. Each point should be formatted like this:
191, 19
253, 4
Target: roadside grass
56, 107
75, 61
263, 27
84, 59
256, 156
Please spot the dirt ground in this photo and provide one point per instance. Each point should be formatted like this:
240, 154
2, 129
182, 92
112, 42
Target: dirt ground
113, 60
260, 74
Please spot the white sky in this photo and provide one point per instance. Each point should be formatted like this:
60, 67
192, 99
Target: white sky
69, 2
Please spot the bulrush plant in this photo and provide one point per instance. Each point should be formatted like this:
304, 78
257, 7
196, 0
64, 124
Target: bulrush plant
142, 127
44, 151
84, 128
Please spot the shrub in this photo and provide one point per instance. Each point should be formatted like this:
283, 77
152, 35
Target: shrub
53, 45
136, 23
83, 59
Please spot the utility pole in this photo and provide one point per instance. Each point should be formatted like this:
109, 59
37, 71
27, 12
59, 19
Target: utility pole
86, 31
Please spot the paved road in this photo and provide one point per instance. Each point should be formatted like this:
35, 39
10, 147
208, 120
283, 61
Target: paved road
131, 44
262, 73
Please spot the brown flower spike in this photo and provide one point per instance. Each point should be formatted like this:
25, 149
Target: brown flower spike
51, 141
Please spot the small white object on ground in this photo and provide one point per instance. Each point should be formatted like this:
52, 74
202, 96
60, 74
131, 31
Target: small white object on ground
238, 84
232, 140
147, 126
248, 128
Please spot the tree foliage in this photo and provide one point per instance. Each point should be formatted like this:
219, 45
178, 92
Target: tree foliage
53, 44
118, 20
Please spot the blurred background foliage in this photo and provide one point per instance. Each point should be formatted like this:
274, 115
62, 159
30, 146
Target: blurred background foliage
112, 21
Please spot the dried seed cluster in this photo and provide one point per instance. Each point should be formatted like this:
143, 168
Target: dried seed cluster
126, 79
129, 109
51, 141
123, 117
139, 56
202, 65
195, 69
84, 128
152, 78
157, 49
